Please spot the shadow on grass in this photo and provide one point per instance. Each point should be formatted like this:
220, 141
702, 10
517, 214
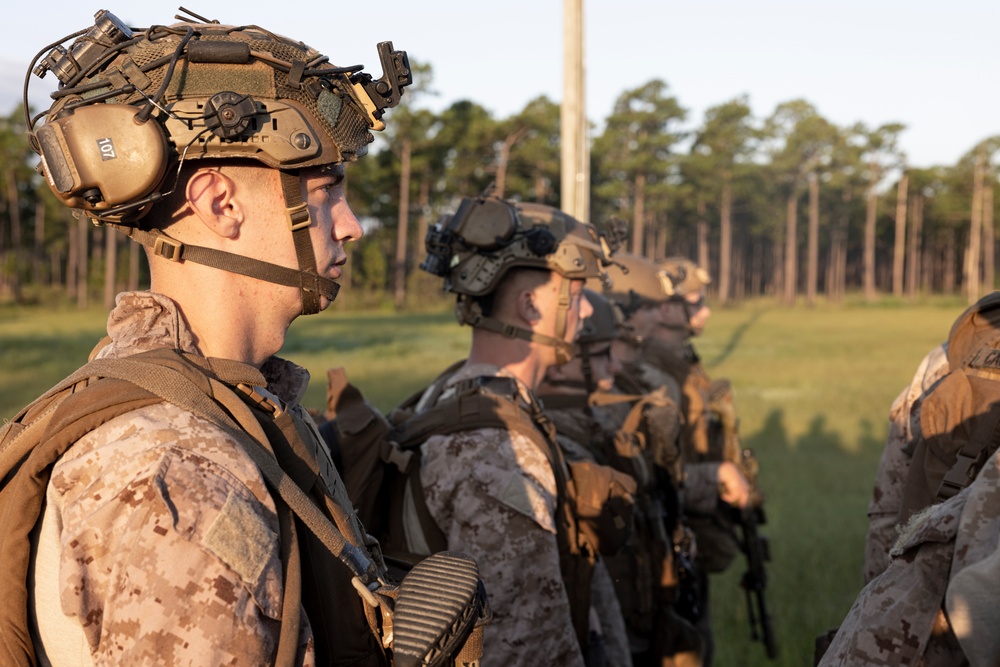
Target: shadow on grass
817, 491
734, 339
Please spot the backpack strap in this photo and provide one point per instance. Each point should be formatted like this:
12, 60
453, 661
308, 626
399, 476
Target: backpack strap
493, 402
28, 450
973, 455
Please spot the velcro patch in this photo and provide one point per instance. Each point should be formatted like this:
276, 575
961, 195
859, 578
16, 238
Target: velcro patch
523, 496
240, 538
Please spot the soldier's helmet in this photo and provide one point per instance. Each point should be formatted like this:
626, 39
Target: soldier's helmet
133, 105
686, 276
487, 237
633, 282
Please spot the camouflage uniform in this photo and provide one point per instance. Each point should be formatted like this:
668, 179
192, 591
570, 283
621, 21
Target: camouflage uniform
159, 506
887, 496
574, 430
493, 494
936, 602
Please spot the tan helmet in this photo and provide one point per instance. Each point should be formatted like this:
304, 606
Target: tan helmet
487, 237
633, 281
132, 105
686, 276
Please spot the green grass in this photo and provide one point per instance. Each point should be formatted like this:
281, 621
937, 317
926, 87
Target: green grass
813, 388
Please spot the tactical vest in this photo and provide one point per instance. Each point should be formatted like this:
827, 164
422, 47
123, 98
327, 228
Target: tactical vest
380, 459
326, 563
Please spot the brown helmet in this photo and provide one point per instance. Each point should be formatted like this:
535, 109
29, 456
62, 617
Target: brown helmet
686, 276
633, 281
487, 237
132, 105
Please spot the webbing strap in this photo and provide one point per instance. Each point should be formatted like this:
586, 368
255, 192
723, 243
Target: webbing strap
298, 221
471, 313
172, 249
174, 387
984, 442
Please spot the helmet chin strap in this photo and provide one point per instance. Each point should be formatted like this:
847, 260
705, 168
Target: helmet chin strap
311, 285
469, 312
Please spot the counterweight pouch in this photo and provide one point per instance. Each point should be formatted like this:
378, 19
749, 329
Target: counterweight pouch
605, 504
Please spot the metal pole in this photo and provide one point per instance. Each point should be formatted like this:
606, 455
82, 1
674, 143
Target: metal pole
575, 148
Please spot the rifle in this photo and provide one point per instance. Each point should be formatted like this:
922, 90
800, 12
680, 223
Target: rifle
756, 548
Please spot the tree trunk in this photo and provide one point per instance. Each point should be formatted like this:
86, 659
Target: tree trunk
38, 252
403, 223
869, 249
424, 203
504, 159
899, 249
82, 232
948, 273
914, 251
791, 248
72, 255
975, 234
702, 232
812, 265
989, 238
725, 237
639, 214
661, 237
757, 270
110, 267
14, 211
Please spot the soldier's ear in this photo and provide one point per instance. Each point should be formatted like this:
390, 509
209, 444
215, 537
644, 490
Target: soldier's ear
527, 306
211, 197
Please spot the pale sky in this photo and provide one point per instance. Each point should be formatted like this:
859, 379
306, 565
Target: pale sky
929, 65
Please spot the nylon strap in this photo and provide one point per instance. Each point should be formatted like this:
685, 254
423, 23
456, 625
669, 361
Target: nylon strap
298, 221
174, 387
973, 455
172, 249
470, 313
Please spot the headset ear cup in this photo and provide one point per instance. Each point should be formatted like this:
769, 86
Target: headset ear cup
98, 157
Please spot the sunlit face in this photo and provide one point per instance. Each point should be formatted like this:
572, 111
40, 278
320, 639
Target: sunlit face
333, 223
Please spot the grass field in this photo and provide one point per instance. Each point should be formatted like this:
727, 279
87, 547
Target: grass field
813, 388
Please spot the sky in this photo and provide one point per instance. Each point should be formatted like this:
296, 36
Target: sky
927, 64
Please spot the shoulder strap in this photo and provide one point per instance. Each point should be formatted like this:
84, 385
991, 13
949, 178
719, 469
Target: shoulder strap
29, 447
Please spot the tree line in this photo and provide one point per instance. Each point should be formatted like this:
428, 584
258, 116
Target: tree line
790, 205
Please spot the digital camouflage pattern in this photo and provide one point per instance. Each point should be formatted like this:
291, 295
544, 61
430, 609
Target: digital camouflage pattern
574, 430
935, 604
160, 506
493, 494
890, 480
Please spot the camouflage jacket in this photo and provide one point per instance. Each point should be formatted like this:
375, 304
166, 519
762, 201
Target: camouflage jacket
890, 480
936, 602
493, 494
159, 541
574, 428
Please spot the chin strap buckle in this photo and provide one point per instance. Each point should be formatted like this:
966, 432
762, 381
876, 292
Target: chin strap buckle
168, 248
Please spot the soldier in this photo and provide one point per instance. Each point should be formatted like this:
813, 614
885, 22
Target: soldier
635, 434
932, 598
666, 306
564, 394
493, 481
171, 534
